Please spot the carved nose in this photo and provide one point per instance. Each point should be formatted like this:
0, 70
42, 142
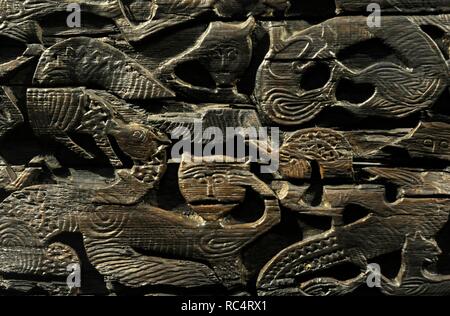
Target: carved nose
210, 188
224, 80
225, 61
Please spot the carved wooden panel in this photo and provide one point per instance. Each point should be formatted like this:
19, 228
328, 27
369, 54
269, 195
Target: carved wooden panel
118, 174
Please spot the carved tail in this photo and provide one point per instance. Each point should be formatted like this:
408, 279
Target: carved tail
300, 259
25, 245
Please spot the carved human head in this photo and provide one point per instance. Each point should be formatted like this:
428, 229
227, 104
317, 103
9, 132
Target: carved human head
209, 185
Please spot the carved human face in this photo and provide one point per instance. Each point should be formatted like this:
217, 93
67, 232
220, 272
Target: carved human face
139, 10
225, 50
209, 189
226, 63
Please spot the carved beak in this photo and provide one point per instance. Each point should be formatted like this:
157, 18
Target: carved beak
9, 68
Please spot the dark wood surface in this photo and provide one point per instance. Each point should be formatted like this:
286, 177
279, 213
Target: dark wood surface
87, 176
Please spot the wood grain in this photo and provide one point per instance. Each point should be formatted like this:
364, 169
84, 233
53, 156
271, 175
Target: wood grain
354, 117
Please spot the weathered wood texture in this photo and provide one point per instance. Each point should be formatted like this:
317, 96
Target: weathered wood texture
395, 6
355, 117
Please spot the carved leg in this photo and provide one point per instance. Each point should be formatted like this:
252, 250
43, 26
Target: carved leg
24, 179
94, 122
72, 146
104, 144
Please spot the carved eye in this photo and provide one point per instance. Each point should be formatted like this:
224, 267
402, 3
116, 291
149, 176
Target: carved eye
139, 135
219, 179
232, 54
200, 177
227, 52
444, 144
298, 67
428, 143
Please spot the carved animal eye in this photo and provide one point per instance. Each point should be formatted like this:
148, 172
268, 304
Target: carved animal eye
298, 67
139, 135
428, 143
444, 144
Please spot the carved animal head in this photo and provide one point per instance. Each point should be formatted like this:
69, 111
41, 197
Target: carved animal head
139, 142
225, 50
289, 92
428, 140
421, 249
209, 186
23, 42
139, 10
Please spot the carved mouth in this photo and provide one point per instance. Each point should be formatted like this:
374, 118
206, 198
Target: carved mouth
210, 202
429, 265
431, 261
213, 212
429, 268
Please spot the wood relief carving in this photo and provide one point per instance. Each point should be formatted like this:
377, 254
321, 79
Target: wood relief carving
398, 91
225, 51
406, 6
134, 147
326, 147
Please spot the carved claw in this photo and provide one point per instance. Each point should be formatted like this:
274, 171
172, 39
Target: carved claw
25, 179
94, 121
